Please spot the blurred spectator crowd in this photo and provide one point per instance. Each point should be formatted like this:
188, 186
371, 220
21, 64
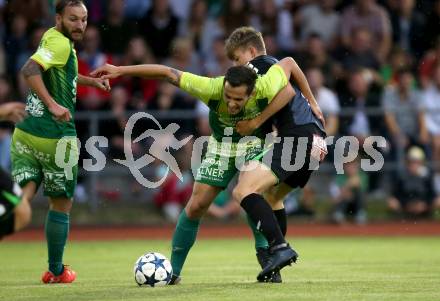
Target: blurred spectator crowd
374, 67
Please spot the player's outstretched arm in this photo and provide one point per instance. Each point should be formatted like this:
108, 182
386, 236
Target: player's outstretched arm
247, 127
99, 83
32, 73
151, 71
292, 70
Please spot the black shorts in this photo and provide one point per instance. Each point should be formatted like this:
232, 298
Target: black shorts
9, 194
291, 158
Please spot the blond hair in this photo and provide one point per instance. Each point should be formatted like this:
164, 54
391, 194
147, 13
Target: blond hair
244, 37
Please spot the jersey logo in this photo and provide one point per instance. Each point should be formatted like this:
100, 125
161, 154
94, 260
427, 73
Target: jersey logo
252, 67
34, 106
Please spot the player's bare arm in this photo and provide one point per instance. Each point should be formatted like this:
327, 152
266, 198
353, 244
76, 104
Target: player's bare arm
151, 71
247, 127
99, 83
32, 73
293, 71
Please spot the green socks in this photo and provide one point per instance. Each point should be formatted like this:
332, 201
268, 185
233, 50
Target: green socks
185, 235
260, 240
183, 239
57, 229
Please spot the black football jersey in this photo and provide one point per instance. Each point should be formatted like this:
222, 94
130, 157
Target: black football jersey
297, 114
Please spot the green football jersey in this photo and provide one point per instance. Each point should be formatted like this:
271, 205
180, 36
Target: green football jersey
210, 91
57, 57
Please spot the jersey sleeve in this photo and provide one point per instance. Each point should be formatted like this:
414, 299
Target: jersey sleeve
271, 83
203, 88
52, 52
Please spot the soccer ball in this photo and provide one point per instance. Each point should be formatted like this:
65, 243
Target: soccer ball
152, 269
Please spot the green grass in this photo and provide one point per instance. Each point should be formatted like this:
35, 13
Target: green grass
373, 269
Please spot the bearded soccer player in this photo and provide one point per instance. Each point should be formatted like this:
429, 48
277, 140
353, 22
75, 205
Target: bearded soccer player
301, 119
239, 95
52, 75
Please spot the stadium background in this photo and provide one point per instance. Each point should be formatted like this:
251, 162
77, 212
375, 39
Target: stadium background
355, 64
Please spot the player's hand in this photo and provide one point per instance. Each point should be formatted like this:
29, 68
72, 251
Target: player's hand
246, 127
318, 113
59, 112
103, 84
12, 111
106, 71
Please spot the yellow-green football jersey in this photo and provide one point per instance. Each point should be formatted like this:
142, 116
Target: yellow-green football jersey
57, 56
210, 91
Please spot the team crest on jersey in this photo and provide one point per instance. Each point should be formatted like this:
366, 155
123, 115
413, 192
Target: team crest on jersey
34, 106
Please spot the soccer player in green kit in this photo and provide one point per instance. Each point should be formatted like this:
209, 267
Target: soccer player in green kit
239, 95
52, 75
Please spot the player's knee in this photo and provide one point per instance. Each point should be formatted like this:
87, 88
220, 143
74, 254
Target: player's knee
270, 198
196, 208
240, 192
274, 202
61, 205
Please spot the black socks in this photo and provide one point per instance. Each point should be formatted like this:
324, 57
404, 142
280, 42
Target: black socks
280, 214
262, 215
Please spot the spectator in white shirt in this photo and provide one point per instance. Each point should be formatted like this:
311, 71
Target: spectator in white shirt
326, 98
320, 18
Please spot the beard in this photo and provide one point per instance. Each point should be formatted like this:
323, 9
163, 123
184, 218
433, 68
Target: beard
68, 33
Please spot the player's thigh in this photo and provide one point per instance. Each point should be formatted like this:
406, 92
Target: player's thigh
25, 159
60, 171
254, 178
216, 168
28, 191
201, 198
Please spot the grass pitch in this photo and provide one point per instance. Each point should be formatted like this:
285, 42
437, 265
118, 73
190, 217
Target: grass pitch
329, 269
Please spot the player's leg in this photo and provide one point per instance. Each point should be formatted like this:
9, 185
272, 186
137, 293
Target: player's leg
9, 201
57, 231
261, 179
23, 212
188, 224
251, 184
275, 197
59, 186
26, 173
210, 179
248, 192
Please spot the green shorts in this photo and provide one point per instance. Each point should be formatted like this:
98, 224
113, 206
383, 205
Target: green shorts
222, 160
34, 159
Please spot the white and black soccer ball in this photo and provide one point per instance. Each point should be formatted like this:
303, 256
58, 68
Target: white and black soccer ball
152, 269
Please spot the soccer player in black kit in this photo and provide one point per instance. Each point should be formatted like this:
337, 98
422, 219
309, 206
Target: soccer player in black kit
10, 218
301, 117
